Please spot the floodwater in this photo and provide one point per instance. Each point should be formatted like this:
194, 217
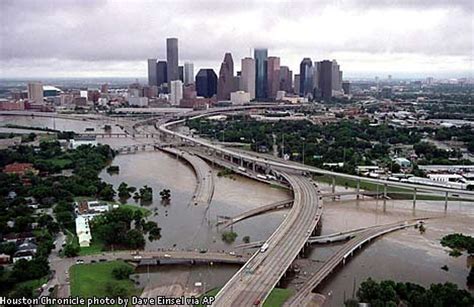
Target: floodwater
62, 124
405, 255
185, 226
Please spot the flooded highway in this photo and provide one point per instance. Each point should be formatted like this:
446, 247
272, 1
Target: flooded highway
405, 255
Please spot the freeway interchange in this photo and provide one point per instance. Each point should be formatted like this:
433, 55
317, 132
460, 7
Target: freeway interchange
252, 284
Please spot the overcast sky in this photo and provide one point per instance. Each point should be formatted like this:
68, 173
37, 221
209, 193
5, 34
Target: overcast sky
87, 38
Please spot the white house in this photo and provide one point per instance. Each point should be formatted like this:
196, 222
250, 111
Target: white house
83, 231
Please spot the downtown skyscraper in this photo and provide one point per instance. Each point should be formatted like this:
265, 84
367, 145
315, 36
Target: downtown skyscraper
226, 78
206, 83
261, 56
273, 76
161, 72
172, 59
152, 72
188, 73
247, 77
306, 77
325, 78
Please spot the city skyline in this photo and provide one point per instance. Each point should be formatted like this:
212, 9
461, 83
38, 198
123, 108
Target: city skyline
56, 39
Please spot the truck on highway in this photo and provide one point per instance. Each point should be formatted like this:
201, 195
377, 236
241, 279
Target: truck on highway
264, 248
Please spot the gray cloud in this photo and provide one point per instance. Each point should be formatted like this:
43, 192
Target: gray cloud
100, 31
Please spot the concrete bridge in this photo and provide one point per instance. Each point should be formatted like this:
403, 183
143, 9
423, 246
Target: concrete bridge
255, 280
329, 238
304, 294
229, 221
204, 175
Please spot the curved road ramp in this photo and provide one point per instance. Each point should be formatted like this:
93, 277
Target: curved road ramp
252, 284
204, 176
304, 296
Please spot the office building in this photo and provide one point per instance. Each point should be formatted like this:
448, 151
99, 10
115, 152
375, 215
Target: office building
346, 87
239, 98
260, 56
296, 86
152, 72
306, 77
161, 72
176, 90
225, 84
172, 59
188, 73
273, 76
138, 101
206, 83
181, 73
35, 92
247, 77
286, 76
325, 79
336, 76
104, 88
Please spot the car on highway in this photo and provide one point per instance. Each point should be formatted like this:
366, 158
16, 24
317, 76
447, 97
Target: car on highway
167, 256
79, 261
264, 248
137, 257
242, 169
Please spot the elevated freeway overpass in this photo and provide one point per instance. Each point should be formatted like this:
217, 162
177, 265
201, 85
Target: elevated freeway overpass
253, 159
255, 280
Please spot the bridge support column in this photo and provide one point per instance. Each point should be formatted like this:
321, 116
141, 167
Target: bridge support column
414, 198
242, 162
384, 196
358, 188
446, 202
334, 187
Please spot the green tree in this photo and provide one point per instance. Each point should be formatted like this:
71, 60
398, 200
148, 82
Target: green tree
71, 250
135, 239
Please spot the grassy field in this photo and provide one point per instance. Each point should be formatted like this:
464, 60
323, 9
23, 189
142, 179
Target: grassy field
95, 247
276, 298
89, 280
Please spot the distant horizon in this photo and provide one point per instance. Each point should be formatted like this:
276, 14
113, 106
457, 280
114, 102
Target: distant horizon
362, 76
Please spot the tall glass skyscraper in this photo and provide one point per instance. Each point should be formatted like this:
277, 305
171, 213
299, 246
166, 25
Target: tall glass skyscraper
172, 59
261, 56
306, 77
